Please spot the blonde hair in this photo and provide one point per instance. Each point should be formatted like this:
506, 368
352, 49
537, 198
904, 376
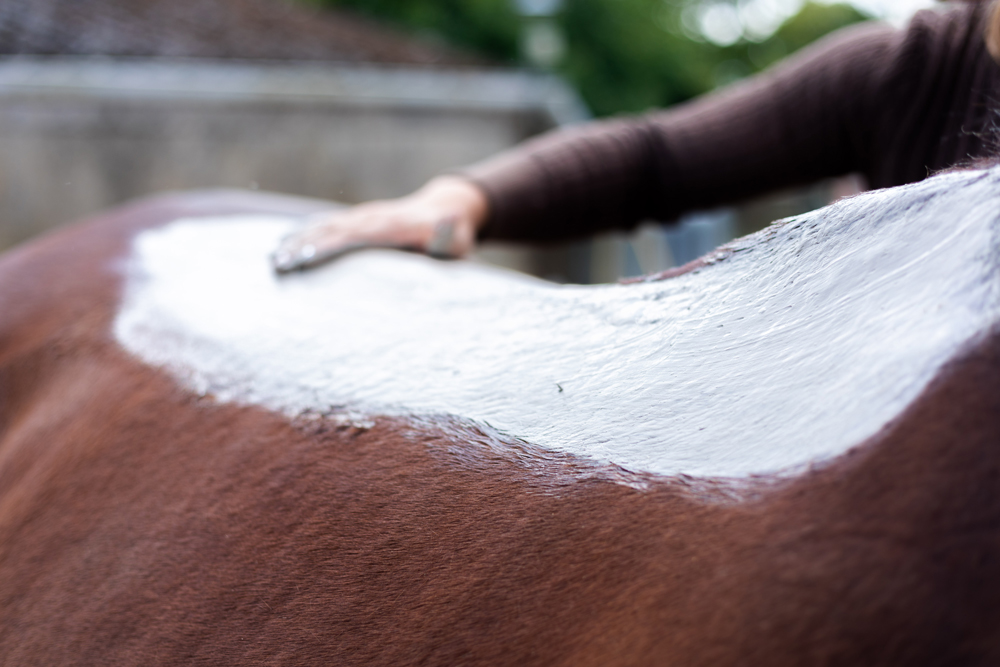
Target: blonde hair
993, 31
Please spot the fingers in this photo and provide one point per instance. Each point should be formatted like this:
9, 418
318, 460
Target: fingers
324, 238
441, 219
328, 236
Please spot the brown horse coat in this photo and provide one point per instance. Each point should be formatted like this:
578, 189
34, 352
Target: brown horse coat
142, 523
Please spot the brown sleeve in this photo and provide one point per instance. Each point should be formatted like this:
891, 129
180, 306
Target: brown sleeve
807, 118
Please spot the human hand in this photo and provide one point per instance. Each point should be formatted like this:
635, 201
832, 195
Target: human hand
441, 219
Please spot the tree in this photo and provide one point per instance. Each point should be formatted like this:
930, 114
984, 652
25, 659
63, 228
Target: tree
622, 56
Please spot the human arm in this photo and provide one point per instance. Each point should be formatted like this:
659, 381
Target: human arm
608, 174
811, 117
892, 104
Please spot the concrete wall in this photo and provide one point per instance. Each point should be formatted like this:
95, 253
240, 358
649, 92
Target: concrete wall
80, 135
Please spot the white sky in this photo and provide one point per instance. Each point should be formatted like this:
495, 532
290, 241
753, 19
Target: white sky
895, 11
723, 22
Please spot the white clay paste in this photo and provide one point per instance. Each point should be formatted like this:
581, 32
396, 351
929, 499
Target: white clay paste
807, 339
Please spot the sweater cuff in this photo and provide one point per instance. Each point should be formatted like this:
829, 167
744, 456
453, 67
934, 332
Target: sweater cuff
516, 204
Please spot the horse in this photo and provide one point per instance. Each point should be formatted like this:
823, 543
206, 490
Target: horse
785, 453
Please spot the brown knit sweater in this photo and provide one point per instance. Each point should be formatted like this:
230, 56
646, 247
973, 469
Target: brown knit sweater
894, 105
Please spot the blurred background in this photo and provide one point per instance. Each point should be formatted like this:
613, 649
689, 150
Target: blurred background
102, 101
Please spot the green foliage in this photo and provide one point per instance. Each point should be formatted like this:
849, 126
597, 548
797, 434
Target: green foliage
811, 23
490, 27
814, 21
623, 56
